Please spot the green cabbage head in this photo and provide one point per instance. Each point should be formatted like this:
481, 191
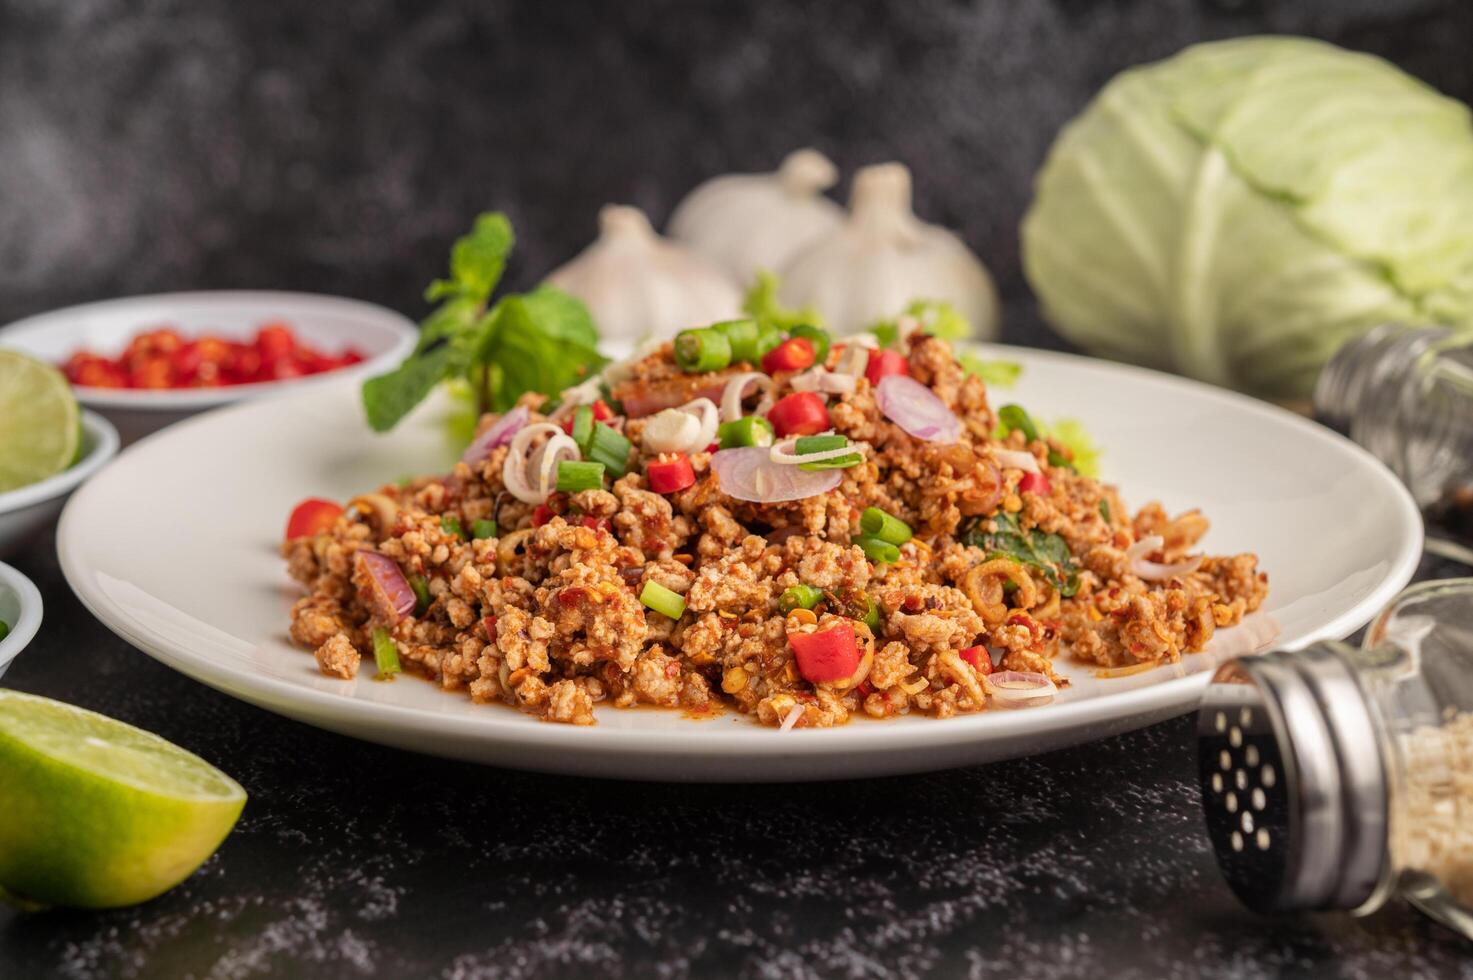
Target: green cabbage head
1238, 211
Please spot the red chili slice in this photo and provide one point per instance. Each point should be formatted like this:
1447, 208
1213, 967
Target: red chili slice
312, 516
979, 658
802, 413
883, 363
1035, 483
831, 655
793, 354
670, 473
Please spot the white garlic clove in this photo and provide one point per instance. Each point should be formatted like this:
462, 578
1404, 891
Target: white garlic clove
637, 284
747, 222
884, 257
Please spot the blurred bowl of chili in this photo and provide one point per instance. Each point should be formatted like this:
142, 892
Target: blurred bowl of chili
161, 358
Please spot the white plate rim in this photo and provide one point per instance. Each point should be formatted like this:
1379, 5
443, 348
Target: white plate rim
194, 399
700, 741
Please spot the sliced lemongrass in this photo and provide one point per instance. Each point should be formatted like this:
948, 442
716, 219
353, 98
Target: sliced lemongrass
514, 468
736, 390
824, 381
555, 450
854, 360
1017, 459
705, 412
670, 431
795, 713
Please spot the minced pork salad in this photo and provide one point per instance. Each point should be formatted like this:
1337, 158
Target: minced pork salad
797, 529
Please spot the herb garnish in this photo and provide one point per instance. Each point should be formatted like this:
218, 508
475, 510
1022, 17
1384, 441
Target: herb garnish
762, 305
544, 340
1046, 552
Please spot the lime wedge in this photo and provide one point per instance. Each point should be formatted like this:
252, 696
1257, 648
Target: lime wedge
40, 424
97, 813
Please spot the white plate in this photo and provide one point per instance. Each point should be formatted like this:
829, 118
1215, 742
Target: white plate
329, 323
20, 609
175, 547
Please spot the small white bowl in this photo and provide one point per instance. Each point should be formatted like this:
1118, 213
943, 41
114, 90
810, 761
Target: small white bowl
20, 607
26, 508
327, 322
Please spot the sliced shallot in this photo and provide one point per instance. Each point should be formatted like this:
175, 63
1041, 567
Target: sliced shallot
1017, 459
750, 474
1153, 571
1019, 688
389, 589
498, 434
736, 390
917, 409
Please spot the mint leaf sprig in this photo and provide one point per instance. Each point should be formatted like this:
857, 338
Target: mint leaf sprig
544, 340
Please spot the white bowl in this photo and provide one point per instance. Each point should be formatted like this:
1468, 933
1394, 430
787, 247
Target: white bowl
328, 322
26, 508
20, 607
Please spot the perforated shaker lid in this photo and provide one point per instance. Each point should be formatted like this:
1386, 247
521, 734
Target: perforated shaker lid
1293, 784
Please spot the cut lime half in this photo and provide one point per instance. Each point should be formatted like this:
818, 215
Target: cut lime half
40, 423
98, 813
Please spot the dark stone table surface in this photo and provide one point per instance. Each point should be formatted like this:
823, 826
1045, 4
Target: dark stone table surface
354, 860
337, 146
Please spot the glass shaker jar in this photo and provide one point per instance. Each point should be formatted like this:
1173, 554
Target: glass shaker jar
1337, 778
1407, 396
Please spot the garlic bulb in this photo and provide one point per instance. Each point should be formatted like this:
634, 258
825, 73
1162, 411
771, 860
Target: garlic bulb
636, 283
883, 258
746, 222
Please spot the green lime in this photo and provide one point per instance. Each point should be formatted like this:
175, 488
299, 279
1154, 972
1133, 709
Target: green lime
97, 813
40, 423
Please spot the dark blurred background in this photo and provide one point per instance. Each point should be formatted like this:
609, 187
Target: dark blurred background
339, 145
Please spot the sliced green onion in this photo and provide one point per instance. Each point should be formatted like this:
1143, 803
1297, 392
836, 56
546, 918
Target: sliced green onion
837, 463
804, 445
799, 597
484, 528
1056, 458
816, 336
4, 629
582, 426
706, 349
872, 615
609, 447
450, 524
742, 336
422, 598
768, 337
877, 551
575, 475
662, 600
753, 430
1013, 417
385, 653
875, 523
1105, 511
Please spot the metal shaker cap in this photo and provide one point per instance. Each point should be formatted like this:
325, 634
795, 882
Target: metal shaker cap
1294, 786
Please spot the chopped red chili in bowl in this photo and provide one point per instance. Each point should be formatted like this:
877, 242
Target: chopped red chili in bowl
164, 358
